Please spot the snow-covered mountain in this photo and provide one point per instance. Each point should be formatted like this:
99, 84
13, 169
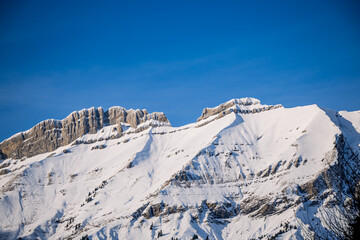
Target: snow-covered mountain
242, 171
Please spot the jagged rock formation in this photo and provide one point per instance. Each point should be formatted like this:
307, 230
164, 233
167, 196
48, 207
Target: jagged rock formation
50, 134
241, 105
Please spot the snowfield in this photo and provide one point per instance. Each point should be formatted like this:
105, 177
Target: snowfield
237, 176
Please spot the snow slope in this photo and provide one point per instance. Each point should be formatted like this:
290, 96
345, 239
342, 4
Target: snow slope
231, 176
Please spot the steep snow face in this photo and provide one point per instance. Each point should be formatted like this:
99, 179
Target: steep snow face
236, 175
349, 122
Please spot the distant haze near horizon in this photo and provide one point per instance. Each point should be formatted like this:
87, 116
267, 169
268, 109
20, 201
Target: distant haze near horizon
177, 58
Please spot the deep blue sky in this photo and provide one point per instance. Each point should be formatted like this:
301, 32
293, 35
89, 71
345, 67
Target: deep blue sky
174, 56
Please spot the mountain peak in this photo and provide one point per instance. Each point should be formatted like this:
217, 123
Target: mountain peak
238, 105
127, 174
246, 101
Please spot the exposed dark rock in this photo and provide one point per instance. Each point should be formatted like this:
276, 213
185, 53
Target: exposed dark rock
119, 128
138, 212
185, 176
267, 209
223, 210
156, 210
52, 154
153, 210
275, 169
2, 155
4, 171
298, 161
101, 146
252, 204
77, 142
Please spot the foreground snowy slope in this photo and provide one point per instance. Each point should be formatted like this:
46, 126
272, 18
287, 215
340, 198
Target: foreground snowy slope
243, 170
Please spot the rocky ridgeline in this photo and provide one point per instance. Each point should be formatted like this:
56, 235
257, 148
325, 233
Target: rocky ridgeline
245, 105
50, 134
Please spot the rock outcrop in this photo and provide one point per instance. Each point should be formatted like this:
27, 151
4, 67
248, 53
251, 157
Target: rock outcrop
2, 155
241, 105
50, 134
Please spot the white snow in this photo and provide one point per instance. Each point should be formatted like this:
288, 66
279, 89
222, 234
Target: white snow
229, 157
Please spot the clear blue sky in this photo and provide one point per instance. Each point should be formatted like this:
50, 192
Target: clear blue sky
174, 56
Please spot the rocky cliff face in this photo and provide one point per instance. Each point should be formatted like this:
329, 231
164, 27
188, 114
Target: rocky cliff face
50, 134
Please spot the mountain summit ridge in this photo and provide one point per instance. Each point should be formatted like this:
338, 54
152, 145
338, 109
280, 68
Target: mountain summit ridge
62, 132
91, 120
250, 173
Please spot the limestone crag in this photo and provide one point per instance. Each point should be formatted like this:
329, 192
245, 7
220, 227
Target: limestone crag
50, 134
241, 105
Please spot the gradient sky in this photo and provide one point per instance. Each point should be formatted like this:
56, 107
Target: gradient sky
174, 56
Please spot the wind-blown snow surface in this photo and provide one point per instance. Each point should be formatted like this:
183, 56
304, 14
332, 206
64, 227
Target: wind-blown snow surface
234, 177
